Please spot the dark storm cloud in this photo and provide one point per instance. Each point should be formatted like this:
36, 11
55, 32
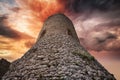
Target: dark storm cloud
106, 34
83, 5
104, 39
5, 30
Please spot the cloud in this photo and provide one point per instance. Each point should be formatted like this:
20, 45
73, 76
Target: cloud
97, 22
8, 32
102, 37
84, 5
8, 1
5, 30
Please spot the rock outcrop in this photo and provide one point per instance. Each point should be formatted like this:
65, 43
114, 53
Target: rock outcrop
57, 55
4, 66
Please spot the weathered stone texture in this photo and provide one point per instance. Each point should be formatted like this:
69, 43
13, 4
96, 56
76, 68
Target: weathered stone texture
57, 55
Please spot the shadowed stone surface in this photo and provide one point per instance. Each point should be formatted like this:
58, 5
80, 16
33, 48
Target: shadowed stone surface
4, 66
57, 55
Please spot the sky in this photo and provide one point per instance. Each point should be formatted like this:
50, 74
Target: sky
97, 23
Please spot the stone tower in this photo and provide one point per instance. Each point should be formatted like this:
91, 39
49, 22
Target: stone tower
57, 55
